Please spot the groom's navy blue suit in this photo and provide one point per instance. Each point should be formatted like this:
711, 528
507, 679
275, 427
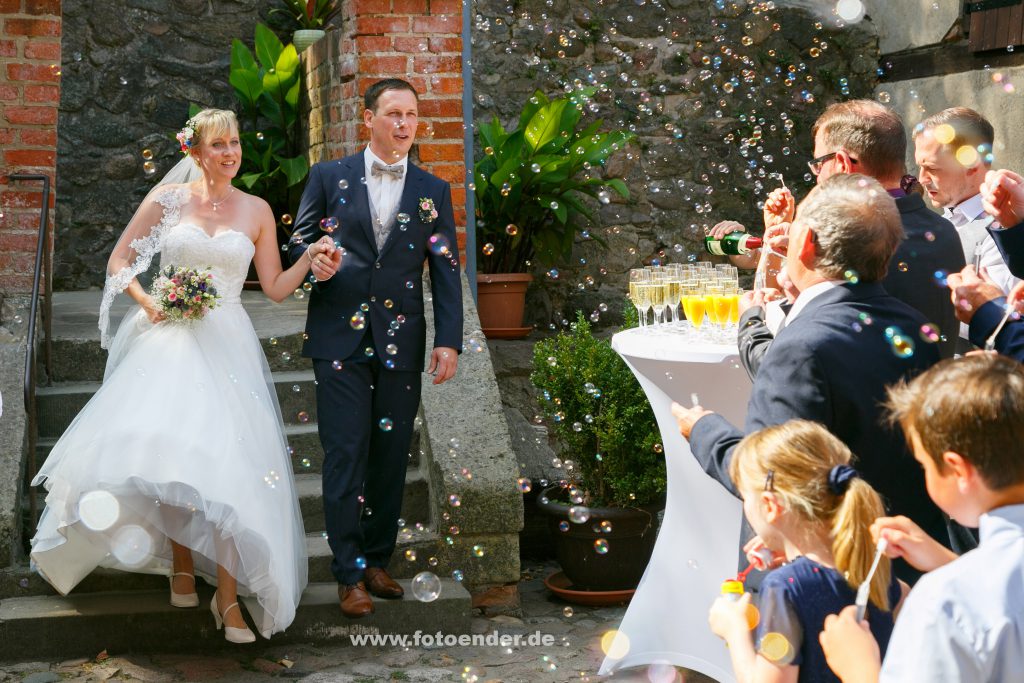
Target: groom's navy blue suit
369, 317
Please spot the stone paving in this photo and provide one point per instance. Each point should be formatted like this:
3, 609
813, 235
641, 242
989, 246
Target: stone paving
574, 655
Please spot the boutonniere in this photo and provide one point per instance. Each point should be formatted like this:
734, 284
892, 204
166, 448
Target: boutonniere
428, 213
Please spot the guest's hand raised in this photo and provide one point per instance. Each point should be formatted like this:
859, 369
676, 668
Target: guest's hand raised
325, 258
850, 650
687, 417
776, 238
1016, 297
970, 292
780, 207
1002, 195
907, 540
758, 297
729, 619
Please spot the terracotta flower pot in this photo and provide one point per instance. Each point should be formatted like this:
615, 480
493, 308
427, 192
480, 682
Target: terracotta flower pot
607, 552
501, 298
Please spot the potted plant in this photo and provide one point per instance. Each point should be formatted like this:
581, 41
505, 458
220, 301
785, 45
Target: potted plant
310, 17
530, 187
603, 515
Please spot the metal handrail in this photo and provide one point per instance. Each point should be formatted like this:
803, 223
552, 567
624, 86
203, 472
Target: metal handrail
43, 269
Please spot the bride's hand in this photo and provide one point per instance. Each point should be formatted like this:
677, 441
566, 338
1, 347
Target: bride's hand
153, 310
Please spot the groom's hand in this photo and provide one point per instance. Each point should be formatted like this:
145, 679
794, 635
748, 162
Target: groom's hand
325, 257
443, 362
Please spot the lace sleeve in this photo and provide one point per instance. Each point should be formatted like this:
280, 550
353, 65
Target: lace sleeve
136, 248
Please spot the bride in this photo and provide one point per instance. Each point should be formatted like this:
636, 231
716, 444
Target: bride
178, 465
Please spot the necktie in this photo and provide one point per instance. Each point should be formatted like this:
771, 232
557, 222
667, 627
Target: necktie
378, 169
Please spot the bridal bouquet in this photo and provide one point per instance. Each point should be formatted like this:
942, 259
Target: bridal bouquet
185, 294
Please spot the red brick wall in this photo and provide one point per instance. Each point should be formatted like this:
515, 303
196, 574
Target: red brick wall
29, 95
418, 40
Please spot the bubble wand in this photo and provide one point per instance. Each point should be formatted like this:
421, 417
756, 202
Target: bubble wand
865, 588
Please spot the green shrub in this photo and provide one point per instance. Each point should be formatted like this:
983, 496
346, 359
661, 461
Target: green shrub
600, 417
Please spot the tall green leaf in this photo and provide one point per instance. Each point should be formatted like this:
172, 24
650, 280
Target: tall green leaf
268, 47
295, 169
543, 127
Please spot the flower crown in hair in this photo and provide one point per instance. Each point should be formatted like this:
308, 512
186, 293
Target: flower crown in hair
186, 134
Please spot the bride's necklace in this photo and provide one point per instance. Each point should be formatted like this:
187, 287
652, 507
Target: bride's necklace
218, 203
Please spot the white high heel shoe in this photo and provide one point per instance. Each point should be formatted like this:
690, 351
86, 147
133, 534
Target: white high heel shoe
231, 634
183, 599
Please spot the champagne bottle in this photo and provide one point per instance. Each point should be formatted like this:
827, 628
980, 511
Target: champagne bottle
733, 244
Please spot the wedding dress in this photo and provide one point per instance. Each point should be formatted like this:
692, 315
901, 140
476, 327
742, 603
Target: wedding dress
183, 441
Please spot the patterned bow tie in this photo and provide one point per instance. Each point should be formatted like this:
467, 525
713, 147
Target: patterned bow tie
378, 169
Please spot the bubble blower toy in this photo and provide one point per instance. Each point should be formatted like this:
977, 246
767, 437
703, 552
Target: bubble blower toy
732, 589
865, 588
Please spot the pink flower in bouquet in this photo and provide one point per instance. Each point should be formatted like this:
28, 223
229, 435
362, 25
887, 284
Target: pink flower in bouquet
171, 296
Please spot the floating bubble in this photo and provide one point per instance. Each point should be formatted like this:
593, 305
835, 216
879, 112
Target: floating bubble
286, 219
329, 224
358, 320
567, 611
260, 136
360, 562
601, 546
579, 514
563, 526
478, 551
403, 218
457, 575
967, 156
902, 345
122, 80
306, 463
386, 424
902, 266
439, 244
615, 644
606, 527
776, 648
525, 485
454, 500
488, 249
342, 184
391, 349
147, 154
944, 134
303, 416
131, 545
512, 229
337, 364
850, 11
98, 510
149, 168
930, 333
426, 587
930, 236
410, 555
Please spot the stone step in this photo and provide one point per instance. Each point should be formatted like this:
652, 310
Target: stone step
40, 627
415, 500
77, 356
302, 439
21, 581
58, 405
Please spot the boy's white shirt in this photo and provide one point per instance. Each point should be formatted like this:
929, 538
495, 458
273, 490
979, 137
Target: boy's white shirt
965, 621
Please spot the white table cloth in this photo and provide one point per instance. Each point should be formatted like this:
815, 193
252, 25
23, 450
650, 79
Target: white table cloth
697, 546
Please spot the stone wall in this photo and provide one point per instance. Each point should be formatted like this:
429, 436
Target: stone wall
130, 70
418, 40
721, 94
29, 91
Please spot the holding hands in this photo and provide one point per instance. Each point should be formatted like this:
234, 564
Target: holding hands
324, 258
1002, 195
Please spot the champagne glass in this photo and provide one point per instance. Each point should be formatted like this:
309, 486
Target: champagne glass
658, 294
675, 291
644, 295
638, 276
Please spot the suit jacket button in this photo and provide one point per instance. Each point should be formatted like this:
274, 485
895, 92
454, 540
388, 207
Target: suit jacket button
377, 265
372, 299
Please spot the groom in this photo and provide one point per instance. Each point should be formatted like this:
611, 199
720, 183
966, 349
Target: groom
366, 334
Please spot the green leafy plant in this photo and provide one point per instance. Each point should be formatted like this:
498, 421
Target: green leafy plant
309, 14
267, 88
600, 417
531, 182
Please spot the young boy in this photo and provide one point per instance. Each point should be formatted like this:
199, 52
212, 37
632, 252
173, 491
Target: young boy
964, 620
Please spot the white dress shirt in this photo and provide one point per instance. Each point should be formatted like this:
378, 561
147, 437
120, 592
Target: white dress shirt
970, 220
965, 621
384, 191
809, 295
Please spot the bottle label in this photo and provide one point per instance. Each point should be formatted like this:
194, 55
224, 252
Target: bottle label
715, 247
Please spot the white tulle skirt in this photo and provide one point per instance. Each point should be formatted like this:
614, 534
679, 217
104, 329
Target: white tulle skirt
183, 442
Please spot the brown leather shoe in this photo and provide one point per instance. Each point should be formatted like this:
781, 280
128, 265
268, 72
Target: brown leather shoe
381, 584
355, 601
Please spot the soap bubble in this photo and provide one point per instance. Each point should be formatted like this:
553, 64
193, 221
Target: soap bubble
439, 245
615, 644
525, 485
286, 219
403, 218
342, 184
386, 424
930, 333
131, 545
567, 611
601, 546
329, 224
391, 349
426, 587
303, 416
454, 500
98, 510
478, 551
579, 514
358, 320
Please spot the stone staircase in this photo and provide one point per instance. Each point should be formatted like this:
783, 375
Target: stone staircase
122, 611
